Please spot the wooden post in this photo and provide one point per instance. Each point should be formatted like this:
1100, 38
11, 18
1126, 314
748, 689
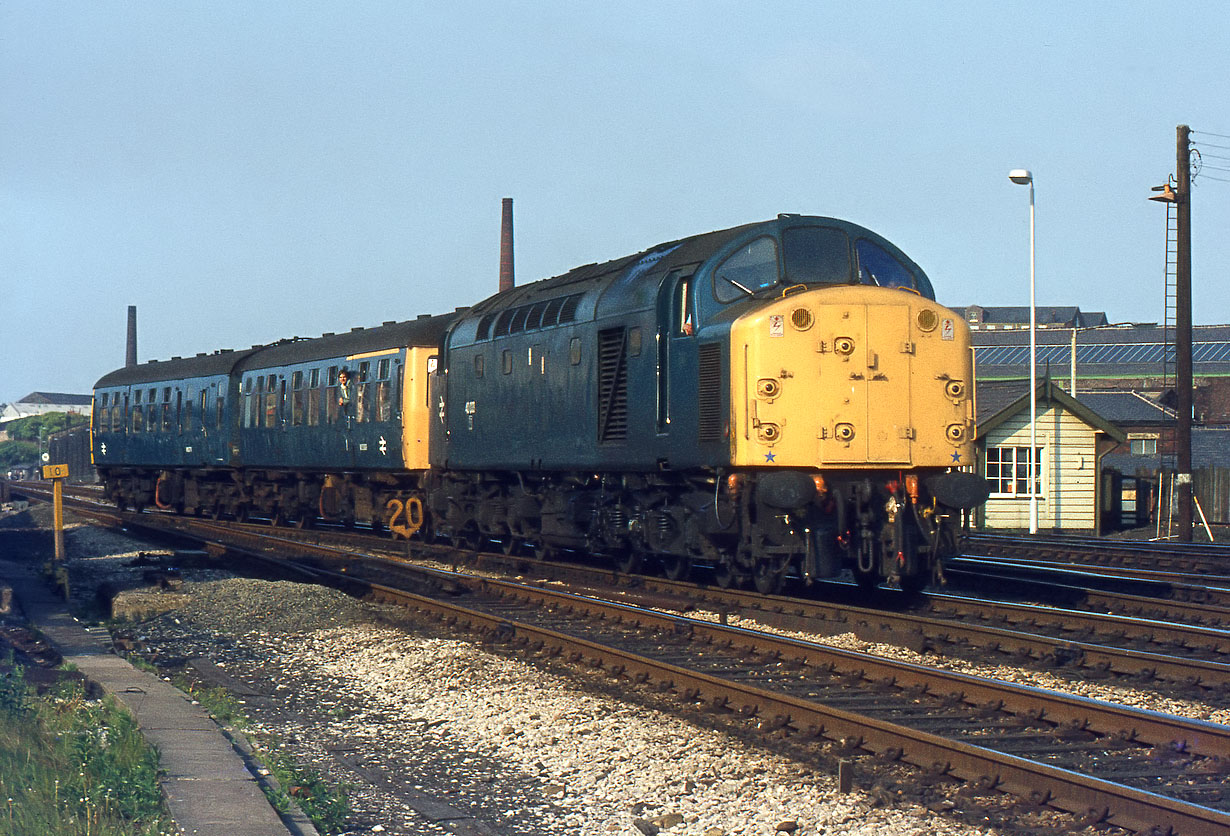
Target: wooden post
57, 473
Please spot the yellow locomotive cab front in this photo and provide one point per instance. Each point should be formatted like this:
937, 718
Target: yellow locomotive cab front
851, 378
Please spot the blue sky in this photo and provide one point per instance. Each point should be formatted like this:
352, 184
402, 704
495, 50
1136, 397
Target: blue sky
248, 171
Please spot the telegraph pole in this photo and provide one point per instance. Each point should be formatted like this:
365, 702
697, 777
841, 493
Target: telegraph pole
1183, 332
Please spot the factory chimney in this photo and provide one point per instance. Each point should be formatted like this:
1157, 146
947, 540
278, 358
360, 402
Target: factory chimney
130, 358
506, 247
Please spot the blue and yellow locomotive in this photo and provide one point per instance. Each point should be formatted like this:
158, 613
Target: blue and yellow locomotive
781, 398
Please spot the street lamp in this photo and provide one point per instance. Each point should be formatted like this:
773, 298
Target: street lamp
1023, 177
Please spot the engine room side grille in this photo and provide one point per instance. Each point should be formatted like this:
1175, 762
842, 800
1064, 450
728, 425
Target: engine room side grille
709, 423
612, 386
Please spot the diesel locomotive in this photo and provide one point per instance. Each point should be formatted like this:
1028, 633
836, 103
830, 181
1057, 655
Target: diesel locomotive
783, 398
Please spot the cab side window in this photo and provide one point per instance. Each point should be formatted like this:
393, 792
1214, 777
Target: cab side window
753, 267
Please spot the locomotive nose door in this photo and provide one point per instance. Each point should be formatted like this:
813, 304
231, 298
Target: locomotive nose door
866, 360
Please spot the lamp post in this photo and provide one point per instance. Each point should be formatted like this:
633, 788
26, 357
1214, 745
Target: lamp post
1023, 177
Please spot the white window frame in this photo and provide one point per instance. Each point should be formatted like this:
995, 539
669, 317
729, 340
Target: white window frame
1148, 446
1019, 464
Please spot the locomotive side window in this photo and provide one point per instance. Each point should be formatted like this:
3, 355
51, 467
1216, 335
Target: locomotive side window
506, 361
634, 342
574, 351
478, 365
816, 255
752, 268
682, 322
876, 266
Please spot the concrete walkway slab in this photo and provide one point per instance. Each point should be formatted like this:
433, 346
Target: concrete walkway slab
207, 784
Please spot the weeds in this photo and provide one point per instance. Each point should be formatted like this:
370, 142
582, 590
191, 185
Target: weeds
326, 806
73, 766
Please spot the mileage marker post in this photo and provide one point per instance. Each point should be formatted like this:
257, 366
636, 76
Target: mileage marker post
57, 473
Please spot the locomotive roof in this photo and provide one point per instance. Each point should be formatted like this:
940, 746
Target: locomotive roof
673, 253
664, 257
424, 331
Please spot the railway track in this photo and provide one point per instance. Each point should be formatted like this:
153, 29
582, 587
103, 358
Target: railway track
1178, 648
1169, 560
1153, 770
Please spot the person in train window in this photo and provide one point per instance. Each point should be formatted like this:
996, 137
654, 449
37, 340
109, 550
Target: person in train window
344, 393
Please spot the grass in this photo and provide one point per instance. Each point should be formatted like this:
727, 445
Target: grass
74, 766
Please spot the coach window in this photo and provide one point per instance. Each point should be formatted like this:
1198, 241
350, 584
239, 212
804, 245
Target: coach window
271, 402
753, 267
297, 399
183, 412
117, 416
313, 398
205, 414
384, 401
816, 255
97, 413
362, 394
138, 417
168, 421
332, 404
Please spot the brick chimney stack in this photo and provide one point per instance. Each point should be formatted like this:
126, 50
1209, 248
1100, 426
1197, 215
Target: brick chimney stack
130, 358
506, 247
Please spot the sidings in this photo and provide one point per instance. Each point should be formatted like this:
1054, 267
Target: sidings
709, 423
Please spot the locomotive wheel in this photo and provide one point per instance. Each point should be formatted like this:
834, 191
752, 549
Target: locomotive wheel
866, 580
277, 519
469, 538
240, 513
676, 567
511, 545
767, 579
913, 584
728, 576
629, 561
